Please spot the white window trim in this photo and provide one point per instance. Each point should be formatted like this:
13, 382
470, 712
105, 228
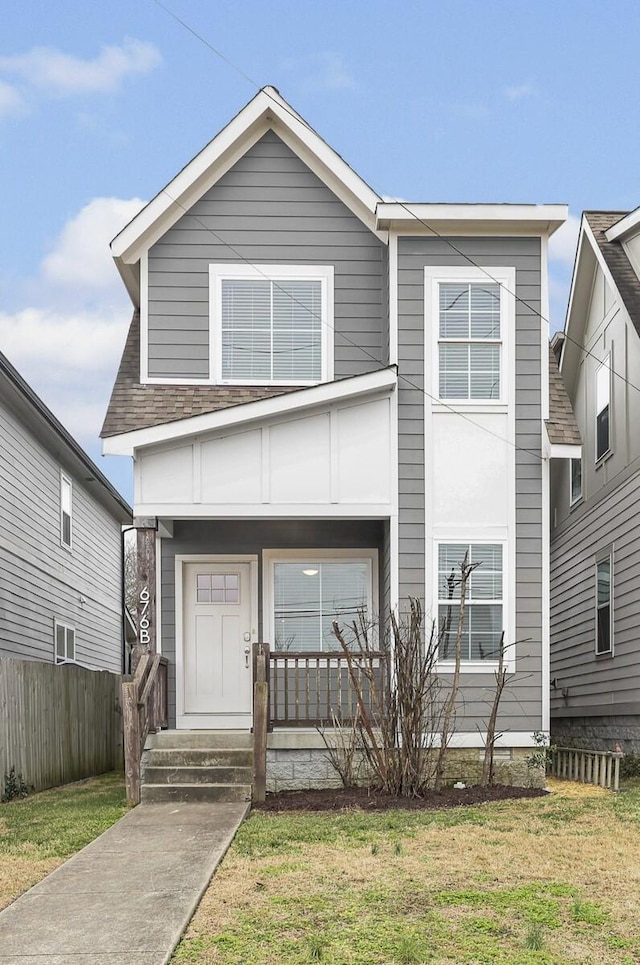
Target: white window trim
66, 480
270, 557
606, 557
220, 272
598, 459
572, 498
67, 627
506, 278
480, 666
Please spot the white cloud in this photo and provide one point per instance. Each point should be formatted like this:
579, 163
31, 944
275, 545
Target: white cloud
81, 256
520, 91
325, 70
11, 101
563, 244
55, 73
67, 343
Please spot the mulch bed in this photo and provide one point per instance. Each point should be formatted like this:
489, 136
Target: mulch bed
365, 799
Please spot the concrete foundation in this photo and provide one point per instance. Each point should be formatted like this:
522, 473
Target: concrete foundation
604, 733
299, 760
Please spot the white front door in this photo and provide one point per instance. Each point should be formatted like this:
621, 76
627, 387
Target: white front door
217, 644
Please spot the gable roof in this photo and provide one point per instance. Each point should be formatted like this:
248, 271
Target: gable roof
266, 111
42, 422
622, 271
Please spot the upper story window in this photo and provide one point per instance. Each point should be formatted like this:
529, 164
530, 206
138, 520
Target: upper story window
272, 324
469, 340
469, 314
66, 500
484, 618
603, 409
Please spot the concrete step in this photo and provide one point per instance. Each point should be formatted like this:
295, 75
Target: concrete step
198, 775
161, 793
201, 739
198, 757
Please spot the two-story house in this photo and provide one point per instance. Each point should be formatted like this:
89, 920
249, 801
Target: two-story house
595, 559
330, 398
60, 540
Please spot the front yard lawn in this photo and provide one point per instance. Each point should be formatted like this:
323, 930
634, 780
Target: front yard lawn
549, 881
39, 832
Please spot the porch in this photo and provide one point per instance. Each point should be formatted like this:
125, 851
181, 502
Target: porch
297, 698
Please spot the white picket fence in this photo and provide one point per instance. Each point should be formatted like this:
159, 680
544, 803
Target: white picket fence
587, 766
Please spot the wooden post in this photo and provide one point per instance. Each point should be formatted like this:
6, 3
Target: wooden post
131, 726
260, 722
145, 588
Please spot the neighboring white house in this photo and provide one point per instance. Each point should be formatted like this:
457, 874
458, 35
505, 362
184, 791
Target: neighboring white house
60, 540
329, 399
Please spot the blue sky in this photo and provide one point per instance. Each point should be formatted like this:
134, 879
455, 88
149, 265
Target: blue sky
102, 104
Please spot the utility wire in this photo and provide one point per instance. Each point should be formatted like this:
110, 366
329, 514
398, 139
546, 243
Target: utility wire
403, 204
403, 378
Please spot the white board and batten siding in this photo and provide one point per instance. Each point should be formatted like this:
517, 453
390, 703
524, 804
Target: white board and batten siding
332, 461
41, 580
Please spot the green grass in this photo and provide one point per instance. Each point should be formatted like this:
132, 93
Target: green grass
549, 881
40, 831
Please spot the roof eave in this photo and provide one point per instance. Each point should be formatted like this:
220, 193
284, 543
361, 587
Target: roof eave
529, 219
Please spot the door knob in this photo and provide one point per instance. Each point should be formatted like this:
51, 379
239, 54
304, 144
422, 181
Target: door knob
247, 651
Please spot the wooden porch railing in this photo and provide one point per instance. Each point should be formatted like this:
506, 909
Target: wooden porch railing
587, 766
144, 711
308, 689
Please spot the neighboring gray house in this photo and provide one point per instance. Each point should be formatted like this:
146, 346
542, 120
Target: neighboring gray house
595, 553
60, 540
329, 398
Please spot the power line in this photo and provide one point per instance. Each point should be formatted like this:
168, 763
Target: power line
413, 215
408, 382
402, 204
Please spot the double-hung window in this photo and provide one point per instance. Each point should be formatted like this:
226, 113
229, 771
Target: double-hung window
469, 340
604, 609
272, 324
603, 406
469, 320
66, 499
65, 642
484, 600
310, 590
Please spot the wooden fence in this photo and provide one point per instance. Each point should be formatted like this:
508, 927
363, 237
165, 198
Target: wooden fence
58, 723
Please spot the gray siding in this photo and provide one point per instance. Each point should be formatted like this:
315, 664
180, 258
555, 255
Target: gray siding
253, 536
41, 580
604, 519
268, 209
603, 684
521, 704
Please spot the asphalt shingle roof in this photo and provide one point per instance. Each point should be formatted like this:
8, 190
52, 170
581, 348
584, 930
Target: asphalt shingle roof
562, 428
626, 279
134, 406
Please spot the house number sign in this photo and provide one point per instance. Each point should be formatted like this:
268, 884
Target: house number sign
144, 624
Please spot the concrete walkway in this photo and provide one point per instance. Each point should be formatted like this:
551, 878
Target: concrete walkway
127, 897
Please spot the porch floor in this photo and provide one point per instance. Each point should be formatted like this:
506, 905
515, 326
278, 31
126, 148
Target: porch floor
127, 897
